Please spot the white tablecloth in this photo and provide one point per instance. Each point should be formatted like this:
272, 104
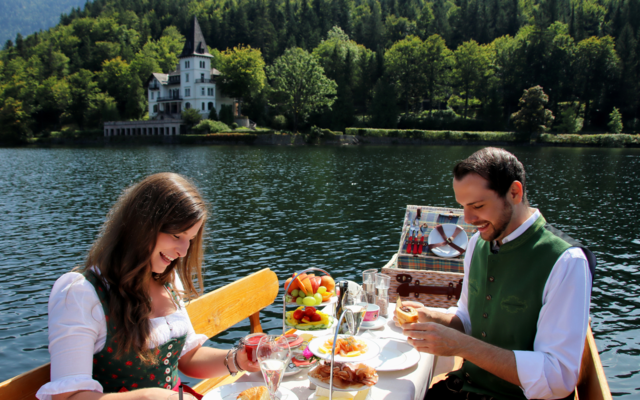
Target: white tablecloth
408, 384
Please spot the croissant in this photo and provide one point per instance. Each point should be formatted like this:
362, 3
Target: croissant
254, 393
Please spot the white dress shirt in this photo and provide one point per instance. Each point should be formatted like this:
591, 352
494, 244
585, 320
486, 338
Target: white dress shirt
78, 330
551, 370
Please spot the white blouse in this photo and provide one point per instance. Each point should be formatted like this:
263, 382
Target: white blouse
78, 330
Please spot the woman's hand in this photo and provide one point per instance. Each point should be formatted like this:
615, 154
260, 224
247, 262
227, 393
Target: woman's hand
242, 359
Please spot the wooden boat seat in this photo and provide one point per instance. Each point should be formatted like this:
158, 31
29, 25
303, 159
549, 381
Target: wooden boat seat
210, 314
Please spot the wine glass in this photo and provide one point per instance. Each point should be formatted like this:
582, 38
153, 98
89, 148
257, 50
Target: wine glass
273, 354
355, 301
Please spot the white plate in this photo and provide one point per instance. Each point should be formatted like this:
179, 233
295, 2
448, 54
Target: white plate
379, 323
447, 251
318, 382
396, 355
230, 392
373, 349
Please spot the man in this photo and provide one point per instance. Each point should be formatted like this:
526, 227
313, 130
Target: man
522, 317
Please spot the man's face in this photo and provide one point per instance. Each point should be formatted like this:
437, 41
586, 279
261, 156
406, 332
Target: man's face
483, 207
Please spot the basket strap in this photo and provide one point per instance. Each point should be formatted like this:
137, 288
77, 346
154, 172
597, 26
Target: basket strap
448, 241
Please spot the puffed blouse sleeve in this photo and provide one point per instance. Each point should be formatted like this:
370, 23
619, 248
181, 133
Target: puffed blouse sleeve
193, 339
76, 322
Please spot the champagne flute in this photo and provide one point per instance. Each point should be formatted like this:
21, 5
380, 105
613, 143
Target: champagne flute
355, 301
274, 355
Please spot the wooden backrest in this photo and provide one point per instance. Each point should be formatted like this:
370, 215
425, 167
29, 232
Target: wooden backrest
210, 314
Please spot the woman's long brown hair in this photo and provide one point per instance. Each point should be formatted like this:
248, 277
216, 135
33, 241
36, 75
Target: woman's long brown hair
164, 202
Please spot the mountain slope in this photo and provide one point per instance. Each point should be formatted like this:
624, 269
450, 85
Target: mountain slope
28, 16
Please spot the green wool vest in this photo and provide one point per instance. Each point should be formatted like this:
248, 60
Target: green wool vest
505, 298
129, 373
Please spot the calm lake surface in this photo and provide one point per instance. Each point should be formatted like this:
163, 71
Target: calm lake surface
339, 209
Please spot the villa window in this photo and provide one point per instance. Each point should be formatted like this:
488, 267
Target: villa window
186, 78
202, 91
152, 95
186, 64
187, 92
202, 77
210, 106
203, 106
187, 106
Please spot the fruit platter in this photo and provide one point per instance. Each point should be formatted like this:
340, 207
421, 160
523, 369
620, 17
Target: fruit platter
307, 318
309, 290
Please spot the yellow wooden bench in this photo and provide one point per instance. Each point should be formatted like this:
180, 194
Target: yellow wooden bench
210, 314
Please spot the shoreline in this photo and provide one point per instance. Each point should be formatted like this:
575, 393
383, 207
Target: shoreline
357, 137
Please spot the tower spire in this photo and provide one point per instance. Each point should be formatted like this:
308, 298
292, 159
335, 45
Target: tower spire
195, 44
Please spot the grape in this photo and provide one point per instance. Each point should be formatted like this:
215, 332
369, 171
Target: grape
318, 298
309, 301
288, 299
294, 293
299, 301
322, 289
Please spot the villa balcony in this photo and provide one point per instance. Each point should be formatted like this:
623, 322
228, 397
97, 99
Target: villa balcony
154, 87
169, 98
210, 80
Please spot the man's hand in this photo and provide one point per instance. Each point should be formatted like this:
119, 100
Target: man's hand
427, 315
436, 339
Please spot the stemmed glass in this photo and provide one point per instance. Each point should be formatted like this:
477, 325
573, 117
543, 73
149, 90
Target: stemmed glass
355, 301
273, 354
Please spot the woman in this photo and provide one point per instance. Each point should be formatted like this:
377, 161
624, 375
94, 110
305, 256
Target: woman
117, 326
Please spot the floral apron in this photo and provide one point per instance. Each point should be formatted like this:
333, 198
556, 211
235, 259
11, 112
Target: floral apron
129, 373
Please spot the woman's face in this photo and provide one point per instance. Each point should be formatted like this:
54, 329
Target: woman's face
170, 246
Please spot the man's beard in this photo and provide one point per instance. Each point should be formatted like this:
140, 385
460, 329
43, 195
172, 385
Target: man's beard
501, 224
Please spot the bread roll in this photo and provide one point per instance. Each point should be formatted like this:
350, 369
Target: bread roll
254, 393
406, 314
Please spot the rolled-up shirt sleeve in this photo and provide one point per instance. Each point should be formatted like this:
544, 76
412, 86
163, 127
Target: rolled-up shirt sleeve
551, 370
74, 327
462, 311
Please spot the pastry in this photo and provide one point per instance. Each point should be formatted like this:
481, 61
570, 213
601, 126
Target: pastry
405, 314
254, 393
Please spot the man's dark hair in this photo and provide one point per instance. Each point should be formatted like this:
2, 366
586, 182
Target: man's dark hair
497, 166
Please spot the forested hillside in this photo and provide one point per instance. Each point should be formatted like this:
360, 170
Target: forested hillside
28, 16
456, 64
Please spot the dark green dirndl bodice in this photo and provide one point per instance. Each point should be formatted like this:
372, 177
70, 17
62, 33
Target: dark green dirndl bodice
129, 373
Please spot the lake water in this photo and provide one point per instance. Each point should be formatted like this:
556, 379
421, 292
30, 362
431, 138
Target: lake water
285, 208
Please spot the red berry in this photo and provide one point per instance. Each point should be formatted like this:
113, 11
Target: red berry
309, 311
298, 314
315, 318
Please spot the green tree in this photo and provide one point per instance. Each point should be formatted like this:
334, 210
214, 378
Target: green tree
242, 69
615, 121
570, 121
83, 92
533, 118
384, 109
13, 122
191, 117
438, 68
406, 63
300, 85
470, 69
597, 66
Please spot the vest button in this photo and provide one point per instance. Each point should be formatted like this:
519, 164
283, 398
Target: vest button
171, 346
485, 315
484, 334
466, 374
469, 381
168, 354
167, 371
166, 362
168, 379
488, 297
491, 279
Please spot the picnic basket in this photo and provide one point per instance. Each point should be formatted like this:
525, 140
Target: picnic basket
425, 277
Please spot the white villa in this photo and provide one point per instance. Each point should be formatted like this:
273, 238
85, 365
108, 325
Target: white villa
191, 85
